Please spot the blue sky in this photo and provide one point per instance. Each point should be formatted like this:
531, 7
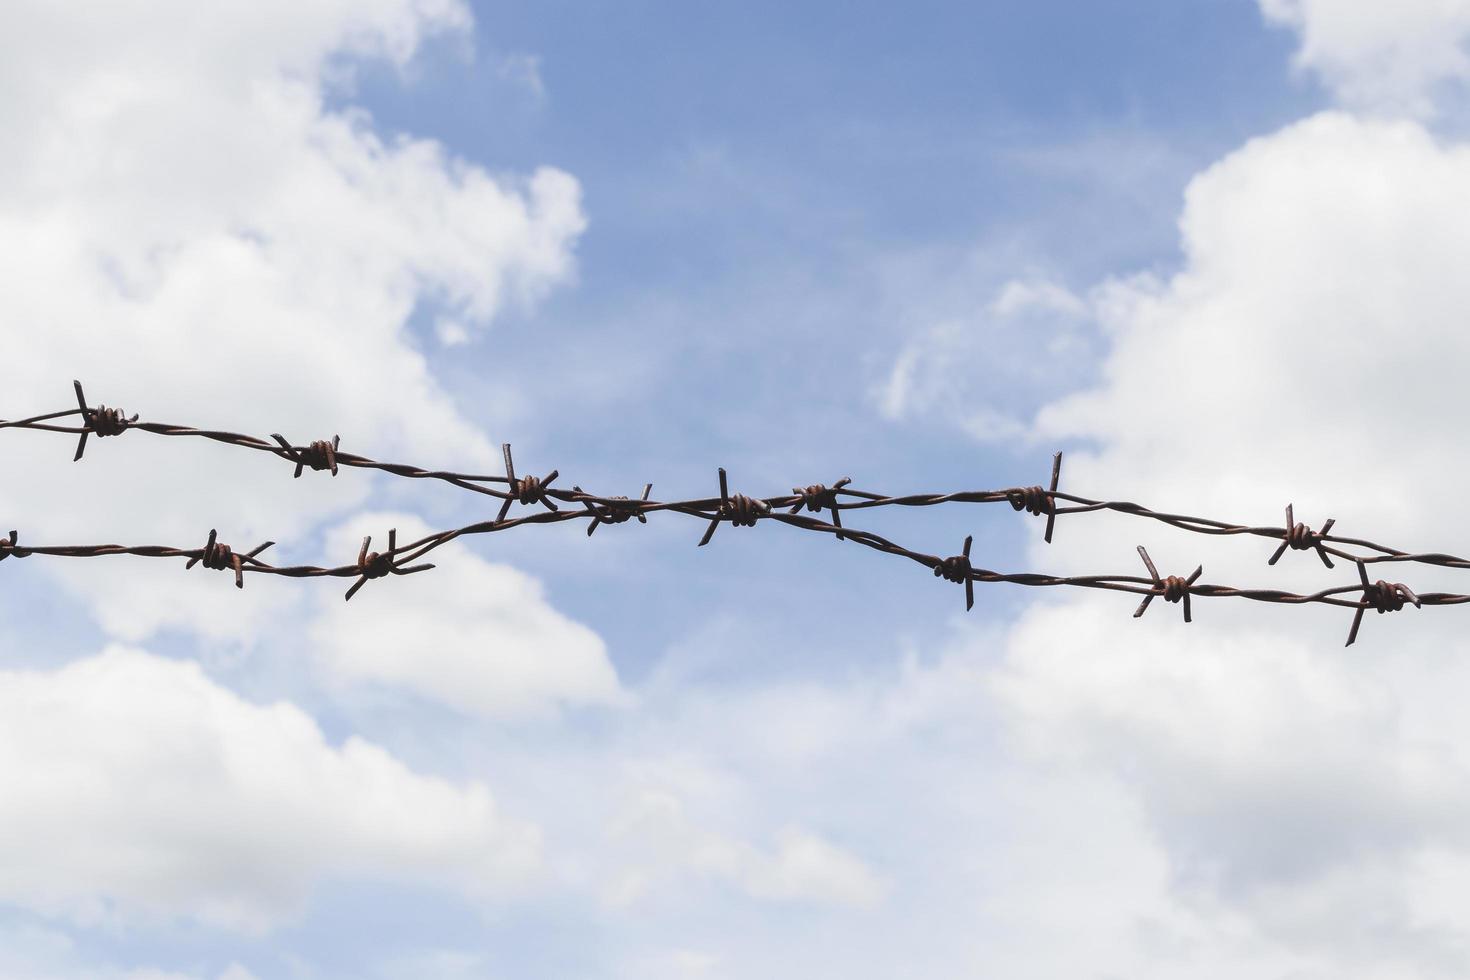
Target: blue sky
777, 199
923, 247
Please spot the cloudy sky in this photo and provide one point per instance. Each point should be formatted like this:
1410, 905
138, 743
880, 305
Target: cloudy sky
1213, 249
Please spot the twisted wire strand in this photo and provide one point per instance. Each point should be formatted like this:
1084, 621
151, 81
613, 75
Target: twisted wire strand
1051, 503
741, 510
412, 551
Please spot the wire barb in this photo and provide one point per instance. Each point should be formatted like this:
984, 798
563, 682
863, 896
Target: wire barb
1300, 537
217, 555
1382, 596
373, 564
528, 489
957, 569
320, 455
737, 508
818, 497
1036, 501
8, 547
615, 513
744, 511
102, 420
1173, 588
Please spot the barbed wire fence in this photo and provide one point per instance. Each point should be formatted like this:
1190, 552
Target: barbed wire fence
740, 510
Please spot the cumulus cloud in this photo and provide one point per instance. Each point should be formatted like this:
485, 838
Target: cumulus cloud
1320, 274
210, 234
137, 788
1254, 753
1309, 349
477, 636
881, 826
1389, 57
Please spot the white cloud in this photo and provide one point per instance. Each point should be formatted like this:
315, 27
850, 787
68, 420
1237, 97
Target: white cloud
929, 849
1019, 296
1253, 750
1321, 273
1380, 56
802, 868
201, 235
477, 636
1310, 350
137, 788
1032, 333
451, 333
807, 867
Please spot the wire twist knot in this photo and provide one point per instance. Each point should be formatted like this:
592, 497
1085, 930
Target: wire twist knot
1380, 595
9, 548
376, 564
373, 564
616, 512
218, 556
815, 497
737, 508
742, 511
1174, 588
1299, 537
109, 421
818, 497
1034, 500
527, 489
1037, 501
957, 568
322, 455
1388, 596
102, 420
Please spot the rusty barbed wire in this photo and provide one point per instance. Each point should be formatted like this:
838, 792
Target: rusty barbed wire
743, 511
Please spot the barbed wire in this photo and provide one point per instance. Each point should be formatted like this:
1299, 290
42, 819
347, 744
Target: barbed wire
740, 510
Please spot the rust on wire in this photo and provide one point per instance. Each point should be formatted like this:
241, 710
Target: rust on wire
1036, 501
744, 511
737, 508
373, 564
1299, 537
102, 420
1173, 588
528, 489
1382, 596
818, 497
217, 555
320, 455
957, 569
8, 547
618, 510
